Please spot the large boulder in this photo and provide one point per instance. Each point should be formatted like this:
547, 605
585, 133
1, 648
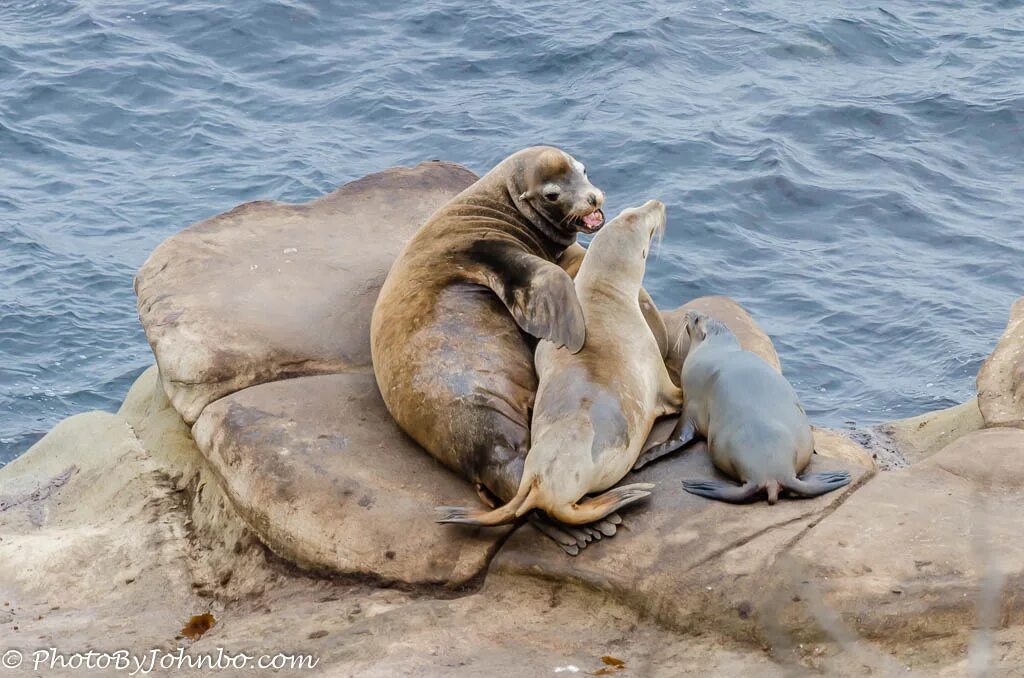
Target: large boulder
1001, 378
269, 291
327, 480
117, 517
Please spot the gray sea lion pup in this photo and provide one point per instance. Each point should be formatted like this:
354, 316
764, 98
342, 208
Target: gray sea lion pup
756, 429
449, 333
595, 408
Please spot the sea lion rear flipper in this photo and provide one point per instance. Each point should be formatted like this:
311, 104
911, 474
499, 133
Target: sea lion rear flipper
556, 533
716, 489
516, 507
596, 508
682, 435
539, 295
814, 484
573, 539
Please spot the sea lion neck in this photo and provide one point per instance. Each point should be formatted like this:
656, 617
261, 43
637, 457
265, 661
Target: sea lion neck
499, 193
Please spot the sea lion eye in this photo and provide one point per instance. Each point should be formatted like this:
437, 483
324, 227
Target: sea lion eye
584, 171
551, 196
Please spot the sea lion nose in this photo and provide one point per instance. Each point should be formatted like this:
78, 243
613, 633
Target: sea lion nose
592, 199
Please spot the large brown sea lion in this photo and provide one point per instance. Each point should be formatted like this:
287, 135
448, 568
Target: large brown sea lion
595, 408
449, 331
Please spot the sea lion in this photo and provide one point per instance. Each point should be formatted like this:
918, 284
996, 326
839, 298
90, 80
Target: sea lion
595, 408
756, 429
449, 332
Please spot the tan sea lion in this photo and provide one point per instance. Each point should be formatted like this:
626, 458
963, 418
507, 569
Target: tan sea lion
756, 429
594, 408
449, 333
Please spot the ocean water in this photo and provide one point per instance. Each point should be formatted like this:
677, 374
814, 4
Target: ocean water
852, 174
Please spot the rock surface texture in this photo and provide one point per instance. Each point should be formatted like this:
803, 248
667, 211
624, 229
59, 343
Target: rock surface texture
257, 476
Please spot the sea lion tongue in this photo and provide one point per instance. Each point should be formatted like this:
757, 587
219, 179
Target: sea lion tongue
594, 220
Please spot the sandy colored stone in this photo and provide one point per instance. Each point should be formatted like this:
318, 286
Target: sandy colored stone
750, 335
907, 555
687, 561
80, 536
838, 445
917, 438
327, 480
269, 290
1001, 378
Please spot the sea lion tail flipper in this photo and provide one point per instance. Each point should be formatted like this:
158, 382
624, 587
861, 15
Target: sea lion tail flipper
595, 509
716, 489
814, 484
520, 504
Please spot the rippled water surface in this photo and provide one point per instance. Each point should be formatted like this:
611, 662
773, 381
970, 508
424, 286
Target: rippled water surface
853, 175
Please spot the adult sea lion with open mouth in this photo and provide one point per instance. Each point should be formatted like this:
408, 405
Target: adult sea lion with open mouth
595, 408
449, 331
756, 429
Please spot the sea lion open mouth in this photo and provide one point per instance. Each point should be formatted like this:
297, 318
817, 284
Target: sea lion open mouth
591, 223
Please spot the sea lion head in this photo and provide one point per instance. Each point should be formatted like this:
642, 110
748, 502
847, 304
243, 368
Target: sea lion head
700, 327
554, 185
621, 248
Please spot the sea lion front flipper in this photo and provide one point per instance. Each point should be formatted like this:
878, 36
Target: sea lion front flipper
539, 295
654, 320
547, 307
716, 489
814, 484
682, 435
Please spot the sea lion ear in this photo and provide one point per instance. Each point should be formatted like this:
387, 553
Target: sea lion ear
528, 195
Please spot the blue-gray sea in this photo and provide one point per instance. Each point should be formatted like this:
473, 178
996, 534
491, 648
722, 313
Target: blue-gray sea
851, 172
